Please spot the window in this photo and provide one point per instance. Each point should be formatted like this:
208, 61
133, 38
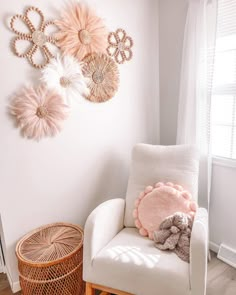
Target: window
223, 114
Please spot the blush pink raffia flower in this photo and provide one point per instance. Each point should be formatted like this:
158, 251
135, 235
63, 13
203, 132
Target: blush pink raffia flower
81, 31
39, 112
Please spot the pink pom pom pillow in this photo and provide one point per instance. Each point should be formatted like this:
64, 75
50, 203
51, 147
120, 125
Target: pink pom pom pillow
154, 204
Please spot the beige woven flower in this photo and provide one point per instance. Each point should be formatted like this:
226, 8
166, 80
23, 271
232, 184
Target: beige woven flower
103, 76
36, 38
120, 46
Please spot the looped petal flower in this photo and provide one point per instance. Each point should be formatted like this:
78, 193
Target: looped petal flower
64, 74
81, 31
120, 46
39, 112
103, 75
36, 38
20, 42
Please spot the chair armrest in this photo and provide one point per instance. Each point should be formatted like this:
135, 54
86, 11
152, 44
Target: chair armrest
199, 253
100, 228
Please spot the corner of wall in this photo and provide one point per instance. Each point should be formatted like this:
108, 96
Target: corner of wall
15, 285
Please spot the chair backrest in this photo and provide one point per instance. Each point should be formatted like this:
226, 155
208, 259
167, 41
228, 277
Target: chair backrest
153, 163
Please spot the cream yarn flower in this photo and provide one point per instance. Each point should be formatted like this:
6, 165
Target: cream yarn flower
39, 112
64, 74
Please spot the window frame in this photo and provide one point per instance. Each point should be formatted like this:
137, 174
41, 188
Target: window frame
225, 162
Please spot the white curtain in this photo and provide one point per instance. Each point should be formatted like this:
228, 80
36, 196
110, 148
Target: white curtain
196, 86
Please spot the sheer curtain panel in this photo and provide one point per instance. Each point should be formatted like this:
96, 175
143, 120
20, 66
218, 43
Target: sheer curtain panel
196, 86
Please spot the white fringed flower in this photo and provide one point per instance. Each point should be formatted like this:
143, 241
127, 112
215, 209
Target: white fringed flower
64, 74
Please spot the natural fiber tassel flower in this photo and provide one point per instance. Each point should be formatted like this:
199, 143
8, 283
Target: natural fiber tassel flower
64, 74
103, 75
81, 31
39, 112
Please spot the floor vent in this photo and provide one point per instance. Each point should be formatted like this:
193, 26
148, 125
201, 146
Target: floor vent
227, 255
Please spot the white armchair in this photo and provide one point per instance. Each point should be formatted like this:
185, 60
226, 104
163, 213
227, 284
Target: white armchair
118, 260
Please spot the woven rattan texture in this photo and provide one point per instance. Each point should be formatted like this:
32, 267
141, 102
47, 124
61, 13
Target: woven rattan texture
50, 261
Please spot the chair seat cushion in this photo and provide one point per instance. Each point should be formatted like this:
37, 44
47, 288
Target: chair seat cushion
131, 263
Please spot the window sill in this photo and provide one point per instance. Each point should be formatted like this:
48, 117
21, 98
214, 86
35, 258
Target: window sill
224, 162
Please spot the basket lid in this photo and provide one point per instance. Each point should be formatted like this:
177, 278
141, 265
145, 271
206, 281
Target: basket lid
50, 243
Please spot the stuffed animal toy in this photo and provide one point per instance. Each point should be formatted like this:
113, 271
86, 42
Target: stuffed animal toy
174, 234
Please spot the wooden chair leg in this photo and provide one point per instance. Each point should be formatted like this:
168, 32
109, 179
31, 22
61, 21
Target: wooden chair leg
107, 290
89, 289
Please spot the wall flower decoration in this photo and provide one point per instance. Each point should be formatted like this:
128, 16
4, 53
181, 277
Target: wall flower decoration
120, 46
64, 74
103, 75
35, 41
39, 112
81, 31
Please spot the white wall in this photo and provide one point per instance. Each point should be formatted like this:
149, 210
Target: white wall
64, 178
171, 22
222, 206
223, 202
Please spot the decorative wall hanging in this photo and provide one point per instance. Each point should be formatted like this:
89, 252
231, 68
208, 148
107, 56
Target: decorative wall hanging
64, 74
120, 46
85, 68
39, 112
81, 31
103, 74
36, 38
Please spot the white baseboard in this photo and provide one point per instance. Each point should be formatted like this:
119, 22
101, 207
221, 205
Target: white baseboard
227, 254
214, 247
15, 286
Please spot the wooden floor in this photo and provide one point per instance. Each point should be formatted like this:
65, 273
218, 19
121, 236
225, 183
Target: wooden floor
4, 286
221, 279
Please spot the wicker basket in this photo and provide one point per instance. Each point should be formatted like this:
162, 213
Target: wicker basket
50, 260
